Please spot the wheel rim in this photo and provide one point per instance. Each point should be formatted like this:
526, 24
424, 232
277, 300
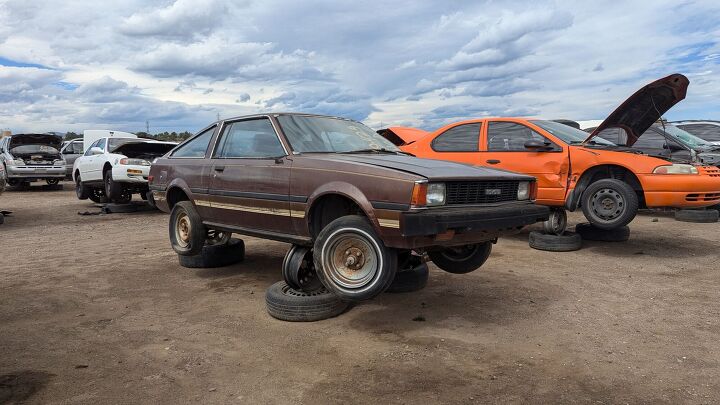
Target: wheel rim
557, 222
460, 253
215, 237
78, 186
607, 204
350, 260
183, 229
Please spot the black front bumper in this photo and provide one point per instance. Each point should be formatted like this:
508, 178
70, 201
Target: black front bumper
471, 219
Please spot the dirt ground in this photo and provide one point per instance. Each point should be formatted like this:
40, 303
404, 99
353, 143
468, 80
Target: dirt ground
95, 309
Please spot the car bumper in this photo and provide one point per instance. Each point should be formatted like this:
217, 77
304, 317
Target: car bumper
681, 191
470, 220
35, 172
131, 174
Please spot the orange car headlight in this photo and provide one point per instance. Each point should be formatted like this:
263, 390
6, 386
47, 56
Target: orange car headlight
677, 168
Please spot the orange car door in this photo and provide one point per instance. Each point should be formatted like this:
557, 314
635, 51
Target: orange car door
503, 146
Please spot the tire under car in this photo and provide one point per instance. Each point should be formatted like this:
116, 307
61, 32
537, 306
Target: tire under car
410, 280
287, 304
590, 232
697, 216
212, 256
566, 242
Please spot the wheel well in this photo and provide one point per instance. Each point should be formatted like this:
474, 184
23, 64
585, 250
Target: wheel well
175, 195
329, 208
107, 167
609, 172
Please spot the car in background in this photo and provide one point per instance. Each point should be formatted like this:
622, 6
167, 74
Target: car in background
32, 157
349, 199
70, 151
667, 141
115, 168
708, 130
576, 170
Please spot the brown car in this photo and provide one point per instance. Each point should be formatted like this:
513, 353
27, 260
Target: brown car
356, 207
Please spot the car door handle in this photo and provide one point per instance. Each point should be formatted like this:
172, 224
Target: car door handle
493, 161
219, 168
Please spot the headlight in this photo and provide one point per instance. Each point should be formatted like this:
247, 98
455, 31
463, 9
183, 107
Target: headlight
435, 194
134, 162
16, 162
676, 169
523, 190
59, 162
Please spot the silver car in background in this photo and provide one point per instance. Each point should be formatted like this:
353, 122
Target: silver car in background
70, 151
32, 157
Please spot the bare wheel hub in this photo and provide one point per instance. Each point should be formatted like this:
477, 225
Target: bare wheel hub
354, 258
182, 229
350, 260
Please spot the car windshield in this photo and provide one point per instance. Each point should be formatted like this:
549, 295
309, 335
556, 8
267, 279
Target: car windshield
308, 134
686, 137
114, 143
568, 134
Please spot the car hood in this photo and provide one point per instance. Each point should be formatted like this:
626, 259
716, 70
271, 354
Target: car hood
429, 168
35, 139
645, 107
131, 149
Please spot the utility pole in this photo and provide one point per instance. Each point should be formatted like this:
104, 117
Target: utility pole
147, 127
218, 116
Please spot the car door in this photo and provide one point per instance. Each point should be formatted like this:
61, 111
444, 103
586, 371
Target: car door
503, 146
250, 177
84, 163
96, 162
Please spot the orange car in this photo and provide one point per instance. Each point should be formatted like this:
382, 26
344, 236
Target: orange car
609, 182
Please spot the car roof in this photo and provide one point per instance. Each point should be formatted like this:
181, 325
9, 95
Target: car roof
275, 114
711, 122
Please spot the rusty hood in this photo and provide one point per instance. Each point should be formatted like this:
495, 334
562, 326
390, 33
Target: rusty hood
645, 107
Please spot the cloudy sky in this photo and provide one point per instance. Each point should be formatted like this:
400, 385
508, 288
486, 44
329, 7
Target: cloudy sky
74, 65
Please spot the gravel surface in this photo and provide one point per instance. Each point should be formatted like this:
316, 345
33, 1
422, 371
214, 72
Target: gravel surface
95, 309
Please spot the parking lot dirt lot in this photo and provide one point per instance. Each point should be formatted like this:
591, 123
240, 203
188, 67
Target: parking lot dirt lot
96, 309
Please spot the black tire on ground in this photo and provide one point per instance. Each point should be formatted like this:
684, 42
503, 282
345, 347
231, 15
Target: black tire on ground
697, 216
52, 182
97, 195
461, 259
609, 203
287, 304
2, 219
555, 243
187, 232
351, 261
115, 191
81, 191
148, 196
411, 280
590, 232
212, 256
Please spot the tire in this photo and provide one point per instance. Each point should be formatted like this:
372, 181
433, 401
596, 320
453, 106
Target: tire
287, 304
557, 222
697, 216
81, 191
52, 182
150, 199
2, 219
97, 196
187, 232
411, 280
590, 232
212, 256
555, 243
298, 269
351, 261
115, 191
461, 259
609, 203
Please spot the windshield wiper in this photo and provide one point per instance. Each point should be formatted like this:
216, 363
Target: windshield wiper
378, 151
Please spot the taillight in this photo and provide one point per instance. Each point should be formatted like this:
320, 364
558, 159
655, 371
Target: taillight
533, 190
150, 178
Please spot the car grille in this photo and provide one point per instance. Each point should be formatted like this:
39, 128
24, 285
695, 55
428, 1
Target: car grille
480, 192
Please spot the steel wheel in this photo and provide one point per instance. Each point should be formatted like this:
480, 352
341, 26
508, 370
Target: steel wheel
556, 223
183, 227
607, 204
351, 260
298, 269
216, 237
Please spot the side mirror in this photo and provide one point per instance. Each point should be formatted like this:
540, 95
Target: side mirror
96, 151
537, 145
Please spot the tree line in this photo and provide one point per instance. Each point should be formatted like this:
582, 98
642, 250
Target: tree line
160, 136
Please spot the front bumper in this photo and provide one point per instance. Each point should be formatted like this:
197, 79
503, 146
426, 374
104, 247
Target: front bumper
131, 174
681, 191
35, 172
471, 219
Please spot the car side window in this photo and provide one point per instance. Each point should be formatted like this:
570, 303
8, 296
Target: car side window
195, 147
708, 132
255, 138
462, 138
101, 144
617, 136
650, 140
510, 137
77, 147
94, 144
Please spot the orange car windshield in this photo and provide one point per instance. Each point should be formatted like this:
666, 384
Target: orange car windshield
568, 134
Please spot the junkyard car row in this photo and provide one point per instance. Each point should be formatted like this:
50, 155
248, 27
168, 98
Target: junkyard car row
364, 211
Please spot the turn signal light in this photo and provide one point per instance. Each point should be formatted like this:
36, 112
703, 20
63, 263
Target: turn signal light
419, 195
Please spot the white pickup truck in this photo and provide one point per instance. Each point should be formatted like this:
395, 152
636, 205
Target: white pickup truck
115, 167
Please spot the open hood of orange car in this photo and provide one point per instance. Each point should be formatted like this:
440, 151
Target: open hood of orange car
402, 135
645, 107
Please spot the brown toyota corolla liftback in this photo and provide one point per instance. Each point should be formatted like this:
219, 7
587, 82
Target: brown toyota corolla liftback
355, 207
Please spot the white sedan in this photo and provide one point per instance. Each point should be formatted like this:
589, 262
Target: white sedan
115, 168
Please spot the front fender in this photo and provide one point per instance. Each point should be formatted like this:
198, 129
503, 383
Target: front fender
346, 190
